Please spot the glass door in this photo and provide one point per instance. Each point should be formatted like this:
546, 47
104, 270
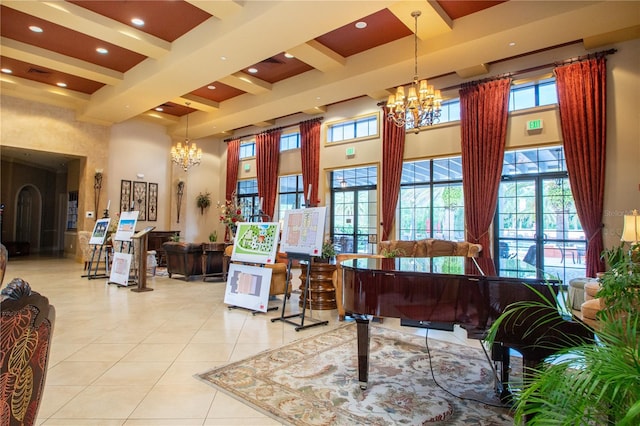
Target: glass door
354, 203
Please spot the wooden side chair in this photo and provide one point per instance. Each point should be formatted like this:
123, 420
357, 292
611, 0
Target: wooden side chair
26, 329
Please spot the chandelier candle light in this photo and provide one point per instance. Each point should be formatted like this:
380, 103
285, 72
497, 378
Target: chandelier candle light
186, 155
422, 106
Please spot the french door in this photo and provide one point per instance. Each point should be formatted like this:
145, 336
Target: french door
538, 233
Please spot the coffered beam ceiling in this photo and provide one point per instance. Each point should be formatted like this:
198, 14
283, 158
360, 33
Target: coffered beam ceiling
240, 34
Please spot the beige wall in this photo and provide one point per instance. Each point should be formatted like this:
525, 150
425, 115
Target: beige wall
137, 146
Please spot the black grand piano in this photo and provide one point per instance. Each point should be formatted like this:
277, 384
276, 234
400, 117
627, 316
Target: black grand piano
436, 293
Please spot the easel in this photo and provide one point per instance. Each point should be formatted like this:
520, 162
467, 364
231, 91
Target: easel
287, 318
93, 274
259, 217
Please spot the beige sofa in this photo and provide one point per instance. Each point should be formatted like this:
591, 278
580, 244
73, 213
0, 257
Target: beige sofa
428, 247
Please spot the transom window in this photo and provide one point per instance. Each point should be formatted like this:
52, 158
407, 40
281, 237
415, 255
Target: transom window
533, 94
289, 141
247, 149
359, 128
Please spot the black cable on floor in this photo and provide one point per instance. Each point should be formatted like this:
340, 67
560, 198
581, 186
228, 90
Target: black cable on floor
491, 404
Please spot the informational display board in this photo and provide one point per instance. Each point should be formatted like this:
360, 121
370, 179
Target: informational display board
256, 242
303, 231
248, 287
126, 226
100, 231
120, 268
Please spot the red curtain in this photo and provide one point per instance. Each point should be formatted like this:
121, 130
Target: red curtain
484, 109
392, 153
267, 158
233, 163
310, 153
582, 98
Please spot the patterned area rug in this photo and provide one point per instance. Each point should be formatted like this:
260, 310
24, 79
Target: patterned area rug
314, 381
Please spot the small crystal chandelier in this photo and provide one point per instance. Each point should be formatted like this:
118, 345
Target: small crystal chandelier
422, 106
186, 155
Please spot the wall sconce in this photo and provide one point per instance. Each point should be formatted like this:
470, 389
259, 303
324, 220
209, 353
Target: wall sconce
179, 194
97, 186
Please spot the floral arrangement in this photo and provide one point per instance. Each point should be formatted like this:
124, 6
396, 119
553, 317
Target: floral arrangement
230, 213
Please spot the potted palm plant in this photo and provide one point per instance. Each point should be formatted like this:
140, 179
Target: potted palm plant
591, 383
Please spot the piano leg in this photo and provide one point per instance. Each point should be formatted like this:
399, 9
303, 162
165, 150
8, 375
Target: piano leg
500, 353
362, 322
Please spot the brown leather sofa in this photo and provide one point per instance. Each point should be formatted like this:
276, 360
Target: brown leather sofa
428, 247
183, 258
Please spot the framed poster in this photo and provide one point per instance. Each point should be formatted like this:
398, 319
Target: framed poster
303, 231
125, 195
152, 210
248, 287
140, 199
256, 242
126, 226
120, 268
99, 231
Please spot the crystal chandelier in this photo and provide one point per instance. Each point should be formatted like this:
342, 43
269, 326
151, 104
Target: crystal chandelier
186, 155
422, 106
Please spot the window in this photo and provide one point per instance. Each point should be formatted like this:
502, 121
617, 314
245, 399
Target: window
533, 94
431, 203
536, 224
289, 141
450, 111
291, 193
363, 127
248, 198
354, 209
247, 149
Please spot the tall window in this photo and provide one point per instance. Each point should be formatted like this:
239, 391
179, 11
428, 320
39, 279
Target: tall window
537, 231
291, 193
354, 207
431, 200
248, 198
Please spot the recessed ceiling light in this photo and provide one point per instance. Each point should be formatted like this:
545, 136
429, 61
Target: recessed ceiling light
211, 87
102, 50
61, 84
6, 70
513, 43
361, 24
253, 70
35, 28
159, 109
288, 56
223, 58
137, 22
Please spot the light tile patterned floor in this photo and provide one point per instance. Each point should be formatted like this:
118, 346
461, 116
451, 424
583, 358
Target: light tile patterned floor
124, 358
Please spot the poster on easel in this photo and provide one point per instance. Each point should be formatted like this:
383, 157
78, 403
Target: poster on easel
120, 268
126, 226
303, 231
100, 231
248, 287
256, 242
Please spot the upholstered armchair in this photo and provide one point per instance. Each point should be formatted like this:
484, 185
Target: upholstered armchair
26, 330
183, 258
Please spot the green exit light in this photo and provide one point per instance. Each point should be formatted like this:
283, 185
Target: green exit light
351, 151
534, 124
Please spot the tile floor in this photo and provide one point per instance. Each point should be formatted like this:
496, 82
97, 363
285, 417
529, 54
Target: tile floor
125, 358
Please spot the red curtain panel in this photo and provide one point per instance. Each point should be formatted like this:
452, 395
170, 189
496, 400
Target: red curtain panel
392, 152
233, 162
267, 159
310, 155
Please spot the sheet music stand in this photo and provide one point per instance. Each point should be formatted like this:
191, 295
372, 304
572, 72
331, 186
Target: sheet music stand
288, 318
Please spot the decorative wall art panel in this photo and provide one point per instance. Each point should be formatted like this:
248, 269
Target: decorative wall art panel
152, 212
140, 199
125, 195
